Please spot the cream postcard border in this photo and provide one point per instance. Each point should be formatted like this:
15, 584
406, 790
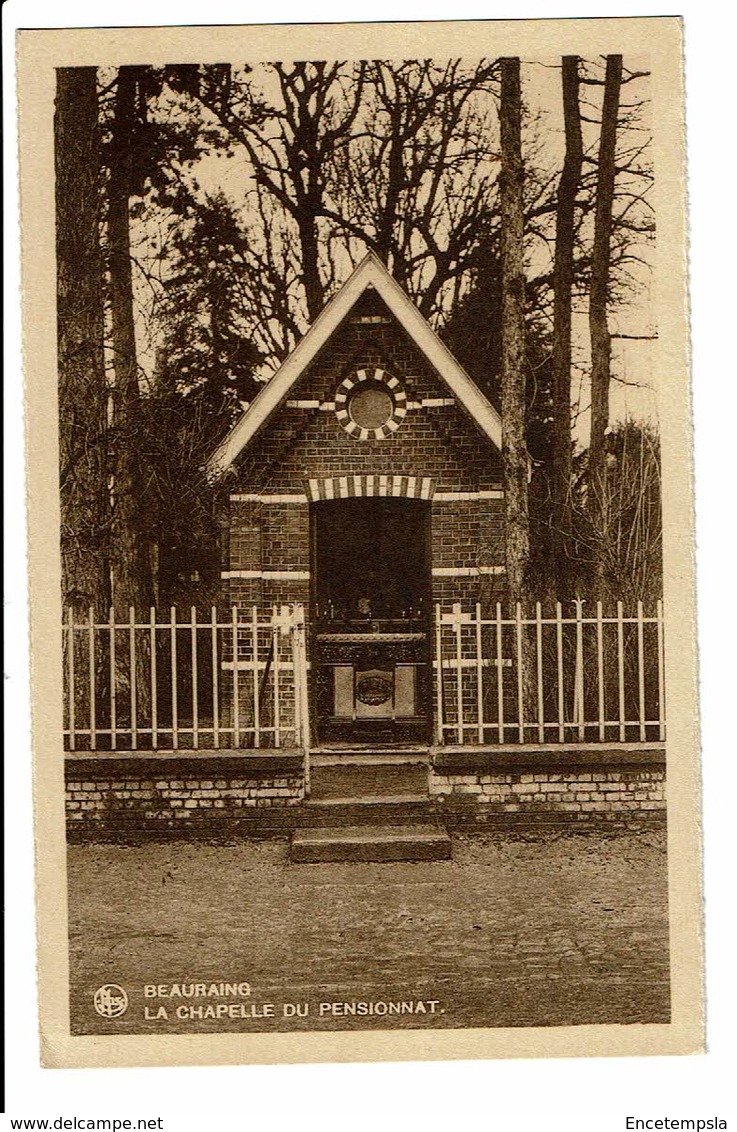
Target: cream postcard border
39, 53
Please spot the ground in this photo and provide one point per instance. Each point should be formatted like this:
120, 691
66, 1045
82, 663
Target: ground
530, 930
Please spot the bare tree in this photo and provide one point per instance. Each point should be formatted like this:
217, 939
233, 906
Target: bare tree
395, 157
85, 518
131, 568
625, 541
563, 276
417, 183
514, 447
290, 144
599, 294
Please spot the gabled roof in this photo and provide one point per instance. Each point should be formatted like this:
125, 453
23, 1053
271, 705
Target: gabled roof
369, 273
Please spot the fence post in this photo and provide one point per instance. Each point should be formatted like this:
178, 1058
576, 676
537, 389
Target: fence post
71, 678
540, 691
133, 676
195, 689
305, 712
479, 674
174, 701
661, 673
620, 672
561, 690
236, 693
215, 689
499, 672
301, 699
256, 697
113, 681
457, 621
520, 675
154, 682
295, 682
600, 669
579, 714
641, 672
275, 670
93, 681
439, 730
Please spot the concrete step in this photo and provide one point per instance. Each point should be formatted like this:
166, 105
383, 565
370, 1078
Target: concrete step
389, 748
389, 810
370, 843
351, 754
368, 779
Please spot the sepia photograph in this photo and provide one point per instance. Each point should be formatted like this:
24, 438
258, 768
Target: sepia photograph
368, 644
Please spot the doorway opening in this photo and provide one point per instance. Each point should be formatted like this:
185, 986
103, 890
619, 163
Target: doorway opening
371, 620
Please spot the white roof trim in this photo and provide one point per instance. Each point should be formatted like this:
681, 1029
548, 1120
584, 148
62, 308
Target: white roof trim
370, 272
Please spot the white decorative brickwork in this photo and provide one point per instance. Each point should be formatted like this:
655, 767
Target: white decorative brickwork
368, 486
268, 575
466, 571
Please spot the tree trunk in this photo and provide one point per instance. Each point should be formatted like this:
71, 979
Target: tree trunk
598, 321
131, 569
386, 229
562, 299
132, 577
85, 517
514, 446
314, 294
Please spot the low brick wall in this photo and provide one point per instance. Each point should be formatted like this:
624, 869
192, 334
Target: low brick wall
542, 787
131, 795
134, 796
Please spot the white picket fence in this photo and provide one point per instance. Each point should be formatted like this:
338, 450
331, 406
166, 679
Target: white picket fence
186, 684
242, 682
582, 677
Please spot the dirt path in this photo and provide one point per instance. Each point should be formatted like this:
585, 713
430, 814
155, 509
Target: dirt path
534, 931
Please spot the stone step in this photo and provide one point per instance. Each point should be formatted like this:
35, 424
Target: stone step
370, 843
368, 779
369, 748
350, 755
381, 810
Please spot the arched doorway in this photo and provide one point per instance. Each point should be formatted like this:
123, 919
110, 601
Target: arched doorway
371, 620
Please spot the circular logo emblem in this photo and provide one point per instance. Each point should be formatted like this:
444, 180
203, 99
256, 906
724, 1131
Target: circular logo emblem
110, 1001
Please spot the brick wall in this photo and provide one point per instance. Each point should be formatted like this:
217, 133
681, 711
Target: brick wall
131, 798
549, 786
298, 442
128, 796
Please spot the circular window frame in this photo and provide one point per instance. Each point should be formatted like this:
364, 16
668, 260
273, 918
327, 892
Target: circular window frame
348, 389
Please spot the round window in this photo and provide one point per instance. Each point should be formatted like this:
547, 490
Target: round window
370, 404
371, 407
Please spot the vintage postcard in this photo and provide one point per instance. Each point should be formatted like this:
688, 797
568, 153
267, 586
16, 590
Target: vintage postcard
360, 524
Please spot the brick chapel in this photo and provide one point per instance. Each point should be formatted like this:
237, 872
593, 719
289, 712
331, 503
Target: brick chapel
364, 482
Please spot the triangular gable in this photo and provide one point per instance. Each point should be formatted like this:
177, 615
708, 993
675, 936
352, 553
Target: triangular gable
369, 273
